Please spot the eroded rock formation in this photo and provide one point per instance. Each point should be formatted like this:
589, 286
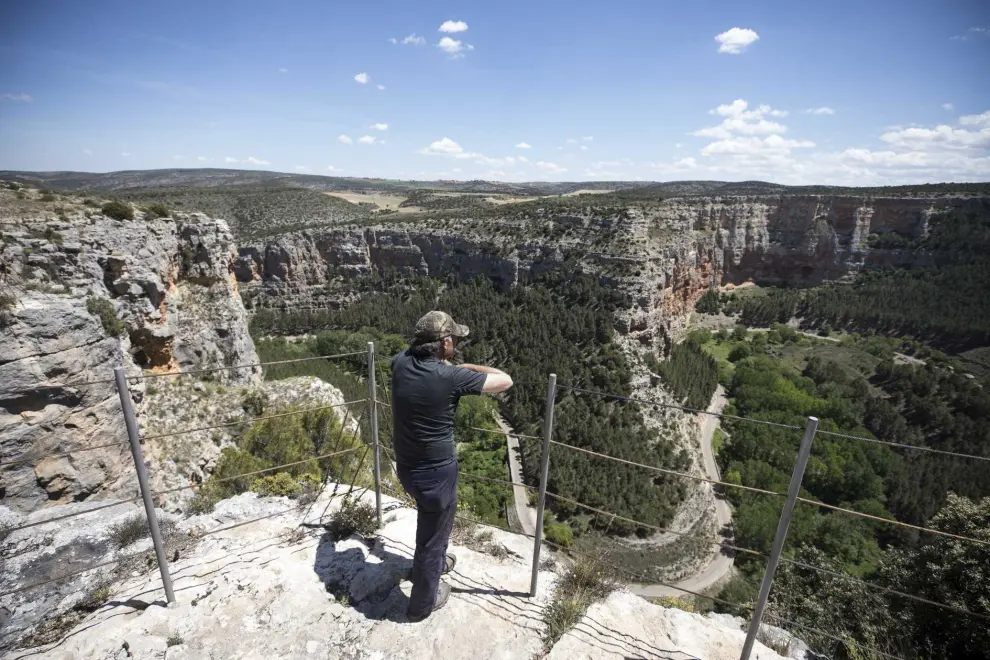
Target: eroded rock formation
166, 286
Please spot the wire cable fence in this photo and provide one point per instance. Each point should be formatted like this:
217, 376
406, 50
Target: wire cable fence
149, 496
637, 578
374, 445
659, 404
792, 498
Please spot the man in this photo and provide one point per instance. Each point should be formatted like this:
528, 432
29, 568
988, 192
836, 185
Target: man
425, 392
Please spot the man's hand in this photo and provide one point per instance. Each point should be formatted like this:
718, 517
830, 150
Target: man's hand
496, 379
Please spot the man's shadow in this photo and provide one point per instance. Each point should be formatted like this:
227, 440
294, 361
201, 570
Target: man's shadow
364, 575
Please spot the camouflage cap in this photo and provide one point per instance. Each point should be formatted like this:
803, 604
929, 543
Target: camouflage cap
434, 326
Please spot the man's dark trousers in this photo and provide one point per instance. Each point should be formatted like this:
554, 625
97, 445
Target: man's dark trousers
435, 492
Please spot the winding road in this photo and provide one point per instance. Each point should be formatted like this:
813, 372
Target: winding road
525, 513
721, 564
711, 574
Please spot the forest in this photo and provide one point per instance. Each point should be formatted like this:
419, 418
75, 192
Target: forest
561, 323
945, 304
855, 387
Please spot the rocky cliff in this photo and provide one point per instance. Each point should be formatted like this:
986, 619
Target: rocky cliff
273, 589
82, 294
665, 254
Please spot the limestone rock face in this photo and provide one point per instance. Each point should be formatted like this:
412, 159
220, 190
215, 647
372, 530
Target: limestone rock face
665, 255
169, 282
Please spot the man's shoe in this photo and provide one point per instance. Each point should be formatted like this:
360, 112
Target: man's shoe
443, 595
448, 565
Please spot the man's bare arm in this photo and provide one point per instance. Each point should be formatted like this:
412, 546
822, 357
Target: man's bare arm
496, 380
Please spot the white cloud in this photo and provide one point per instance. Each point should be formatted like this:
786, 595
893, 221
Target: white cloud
362, 78
345, 139
23, 98
381, 87
444, 146
453, 26
551, 168
824, 110
678, 145
379, 127
942, 136
523, 145
910, 153
125, 154
773, 144
257, 161
331, 168
411, 40
367, 139
447, 147
976, 120
453, 47
972, 32
588, 138
584, 147
283, 70
87, 152
228, 159
735, 40
522, 159
948, 107
740, 119
571, 140
202, 159
303, 168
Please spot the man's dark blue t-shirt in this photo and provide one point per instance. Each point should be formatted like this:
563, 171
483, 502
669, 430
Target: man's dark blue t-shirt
425, 392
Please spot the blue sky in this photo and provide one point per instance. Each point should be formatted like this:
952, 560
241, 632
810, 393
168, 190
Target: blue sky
839, 92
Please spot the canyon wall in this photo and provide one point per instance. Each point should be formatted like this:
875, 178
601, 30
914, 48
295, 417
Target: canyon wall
665, 255
169, 283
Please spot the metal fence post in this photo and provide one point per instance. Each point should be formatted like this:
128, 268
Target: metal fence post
778, 542
544, 466
373, 403
142, 473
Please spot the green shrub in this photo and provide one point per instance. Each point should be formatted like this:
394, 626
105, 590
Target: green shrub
103, 308
561, 615
280, 484
558, 533
739, 333
233, 463
118, 210
48, 197
134, 529
53, 236
673, 602
586, 582
91, 202
353, 518
175, 639
157, 210
94, 599
204, 500
740, 352
710, 303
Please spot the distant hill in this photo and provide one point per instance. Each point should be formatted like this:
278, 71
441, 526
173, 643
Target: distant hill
629, 190
210, 178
